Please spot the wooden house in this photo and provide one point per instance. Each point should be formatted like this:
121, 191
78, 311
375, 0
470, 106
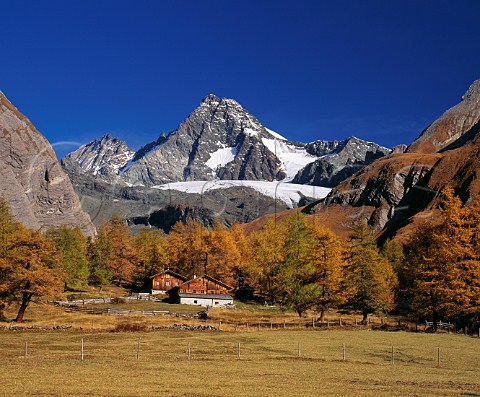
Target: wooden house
166, 280
203, 290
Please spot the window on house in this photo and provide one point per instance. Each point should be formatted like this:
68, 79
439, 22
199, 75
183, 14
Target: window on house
216, 303
202, 291
158, 283
177, 284
167, 283
194, 291
195, 301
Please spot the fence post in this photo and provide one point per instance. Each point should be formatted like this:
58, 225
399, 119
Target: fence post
285, 326
247, 328
340, 321
298, 350
238, 349
313, 322
138, 349
219, 325
343, 351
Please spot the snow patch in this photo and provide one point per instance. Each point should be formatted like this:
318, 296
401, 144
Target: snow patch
221, 157
290, 193
292, 157
250, 131
276, 134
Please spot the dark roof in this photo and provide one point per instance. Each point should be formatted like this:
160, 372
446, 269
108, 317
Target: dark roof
211, 279
171, 272
208, 296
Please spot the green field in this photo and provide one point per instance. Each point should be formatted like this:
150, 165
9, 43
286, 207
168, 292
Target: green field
268, 365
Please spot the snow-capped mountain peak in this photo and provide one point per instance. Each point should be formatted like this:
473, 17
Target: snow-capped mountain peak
218, 140
102, 157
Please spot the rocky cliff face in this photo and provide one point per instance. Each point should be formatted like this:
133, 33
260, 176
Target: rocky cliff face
38, 190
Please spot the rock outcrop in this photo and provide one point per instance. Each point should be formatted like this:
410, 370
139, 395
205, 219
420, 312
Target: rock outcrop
451, 125
32, 181
345, 159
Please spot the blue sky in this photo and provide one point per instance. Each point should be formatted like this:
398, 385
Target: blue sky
379, 70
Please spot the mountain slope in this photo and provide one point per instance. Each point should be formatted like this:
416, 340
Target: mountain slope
38, 191
402, 189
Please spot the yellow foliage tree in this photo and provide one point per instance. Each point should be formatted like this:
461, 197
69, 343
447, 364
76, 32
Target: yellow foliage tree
265, 255
443, 262
37, 269
187, 248
327, 258
150, 246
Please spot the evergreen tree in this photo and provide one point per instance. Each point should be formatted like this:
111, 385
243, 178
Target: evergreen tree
369, 278
72, 245
8, 227
297, 272
99, 252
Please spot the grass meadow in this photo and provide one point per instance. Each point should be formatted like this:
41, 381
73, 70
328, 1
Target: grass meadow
271, 363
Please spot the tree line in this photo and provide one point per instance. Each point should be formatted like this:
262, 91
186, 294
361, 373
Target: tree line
297, 263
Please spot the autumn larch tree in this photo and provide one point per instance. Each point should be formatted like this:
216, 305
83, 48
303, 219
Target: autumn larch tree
443, 262
122, 260
37, 269
187, 247
224, 253
327, 260
265, 250
150, 246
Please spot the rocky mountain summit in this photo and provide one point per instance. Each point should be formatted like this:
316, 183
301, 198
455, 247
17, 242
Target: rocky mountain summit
222, 140
449, 127
32, 181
